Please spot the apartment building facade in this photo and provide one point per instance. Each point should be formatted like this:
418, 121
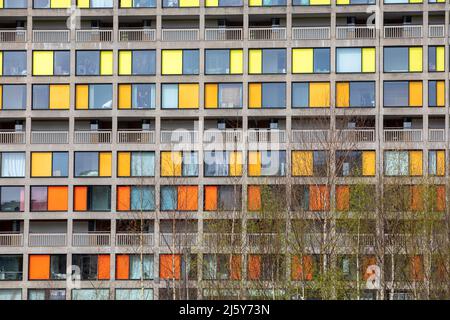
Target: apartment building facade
128, 128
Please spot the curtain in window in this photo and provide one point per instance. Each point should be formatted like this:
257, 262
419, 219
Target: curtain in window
135, 267
143, 164
13, 164
10, 294
170, 96
432, 162
396, 163
90, 294
230, 95
169, 198
348, 60
143, 198
190, 164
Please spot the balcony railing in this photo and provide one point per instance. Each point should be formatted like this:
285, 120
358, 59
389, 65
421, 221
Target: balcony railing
222, 136
131, 35
266, 135
266, 240
134, 239
356, 32
436, 135
13, 35
94, 35
356, 135
352, 240
310, 136
47, 239
402, 135
181, 137
92, 137
12, 137
180, 34
436, 31
267, 33
51, 36
396, 32
49, 137
221, 240
178, 239
223, 34
310, 33
136, 136
11, 239
91, 239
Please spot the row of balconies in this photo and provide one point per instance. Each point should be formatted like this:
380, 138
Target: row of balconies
223, 34
222, 136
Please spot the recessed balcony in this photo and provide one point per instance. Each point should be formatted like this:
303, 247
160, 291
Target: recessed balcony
11, 239
13, 36
310, 33
12, 137
271, 33
91, 239
223, 34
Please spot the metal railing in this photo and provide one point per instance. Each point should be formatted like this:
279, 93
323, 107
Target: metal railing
222, 136
179, 136
13, 35
351, 240
223, 34
402, 135
266, 135
92, 137
178, 239
310, 33
91, 239
310, 136
396, 32
47, 239
436, 31
267, 33
356, 135
356, 32
134, 239
131, 35
135, 136
49, 137
262, 239
11, 239
220, 240
180, 34
51, 36
436, 135
94, 35
12, 137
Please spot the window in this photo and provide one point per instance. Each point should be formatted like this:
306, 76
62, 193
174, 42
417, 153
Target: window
46, 294
134, 294
222, 163
178, 163
137, 62
312, 2
355, 94
355, 60
180, 3
137, 4
223, 3
95, 3
309, 163
47, 267
267, 95
93, 164
355, 163
134, 267
403, 163
13, 63
311, 197
266, 163
310, 94
94, 63
436, 93
436, 58
49, 164
137, 96
10, 294
92, 266
180, 96
222, 198
266, 3
12, 199
266, 61
303, 267
93, 96
51, 97
11, 267
13, 4
179, 62
402, 94
90, 294
223, 61
223, 95
402, 59
353, 2
51, 63
51, 198
436, 162
53, 4
265, 267
402, 1
311, 60
135, 164
13, 97
92, 198
219, 267
135, 198
179, 198
12, 164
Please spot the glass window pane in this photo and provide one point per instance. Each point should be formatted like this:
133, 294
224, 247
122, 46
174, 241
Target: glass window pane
300, 95
143, 198
15, 4
274, 95
144, 62
321, 60
14, 97
100, 198
348, 59
169, 96
190, 164
432, 98
144, 3
274, 61
14, 63
100, 96
86, 164
217, 61
229, 198
41, 96
60, 164
396, 94
134, 294
38, 199
61, 63
40, 4
216, 163
88, 63
230, 95
11, 199
143, 96
362, 94
13, 164
169, 198
396, 59
143, 164
90, 294
101, 3
190, 61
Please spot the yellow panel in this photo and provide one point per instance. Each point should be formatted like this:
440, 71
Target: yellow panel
105, 164
302, 163
60, 4
415, 94
368, 60
440, 163
124, 164
368, 163
188, 96
319, 94
255, 3
236, 61
189, 3
83, 3
42, 63
59, 96
106, 63
319, 2
302, 60
254, 95
82, 96
1, 63
254, 61
440, 93
212, 3
343, 95
1, 4
41, 164
254, 163
415, 59
126, 3
342, 2
124, 96
1, 97
440, 58
415, 163
171, 164
172, 62
124, 63
415, 1
236, 164
211, 95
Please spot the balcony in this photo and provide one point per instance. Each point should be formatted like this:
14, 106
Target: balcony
360, 32
436, 135
49, 137
12, 137
47, 240
135, 136
310, 33
94, 35
137, 35
92, 137
221, 240
436, 31
356, 135
398, 32
215, 136
267, 33
180, 34
352, 240
11, 239
266, 135
265, 240
51, 36
223, 34
310, 136
180, 136
134, 239
402, 135
178, 239
91, 239
17, 36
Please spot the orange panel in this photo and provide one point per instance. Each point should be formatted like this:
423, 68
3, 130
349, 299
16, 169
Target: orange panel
254, 198
187, 198
416, 198
236, 265
169, 266
297, 268
440, 198
103, 267
39, 267
416, 268
123, 198
80, 198
254, 267
342, 198
211, 193
58, 198
319, 198
122, 267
